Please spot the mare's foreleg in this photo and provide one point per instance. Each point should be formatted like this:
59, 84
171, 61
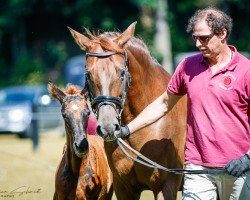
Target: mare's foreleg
124, 191
169, 189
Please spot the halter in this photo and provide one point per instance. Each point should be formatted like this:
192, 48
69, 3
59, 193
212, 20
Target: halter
116, 102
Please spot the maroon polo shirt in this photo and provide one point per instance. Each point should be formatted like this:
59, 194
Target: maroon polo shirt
218, 109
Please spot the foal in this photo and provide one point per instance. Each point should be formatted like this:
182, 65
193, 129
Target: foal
83, 172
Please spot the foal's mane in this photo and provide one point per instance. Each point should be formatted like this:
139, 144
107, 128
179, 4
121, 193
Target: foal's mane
73, 89
70, 90
135, 45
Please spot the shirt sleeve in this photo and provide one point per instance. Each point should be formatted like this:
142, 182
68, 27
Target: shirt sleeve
247, 84
176, 84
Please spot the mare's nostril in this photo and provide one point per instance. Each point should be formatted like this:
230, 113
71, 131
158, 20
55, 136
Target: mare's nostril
99, 131
117, 127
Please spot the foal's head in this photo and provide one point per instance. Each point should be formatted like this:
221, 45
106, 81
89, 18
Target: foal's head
107, 76
75, 113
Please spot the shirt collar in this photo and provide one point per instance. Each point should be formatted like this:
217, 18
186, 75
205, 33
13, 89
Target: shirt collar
231, 65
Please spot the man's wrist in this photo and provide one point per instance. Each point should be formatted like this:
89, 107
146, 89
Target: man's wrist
125, 131
248, 155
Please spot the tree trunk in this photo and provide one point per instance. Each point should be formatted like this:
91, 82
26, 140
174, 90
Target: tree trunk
162, 38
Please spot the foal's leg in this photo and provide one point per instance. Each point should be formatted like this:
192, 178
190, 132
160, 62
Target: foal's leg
123, 191
55, 196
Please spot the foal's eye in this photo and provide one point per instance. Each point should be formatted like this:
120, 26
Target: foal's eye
64, 115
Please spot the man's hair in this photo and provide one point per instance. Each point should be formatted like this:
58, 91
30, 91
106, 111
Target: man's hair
216, 19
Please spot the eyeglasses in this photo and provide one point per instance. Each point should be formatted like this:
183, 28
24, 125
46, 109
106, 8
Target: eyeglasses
202, 38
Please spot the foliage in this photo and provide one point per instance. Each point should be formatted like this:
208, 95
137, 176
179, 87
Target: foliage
27, 71
35, 43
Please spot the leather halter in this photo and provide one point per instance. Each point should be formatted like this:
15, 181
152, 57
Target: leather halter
116, 102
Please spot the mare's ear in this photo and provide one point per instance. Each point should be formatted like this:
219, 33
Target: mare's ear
83, 42
56, 92
126, 35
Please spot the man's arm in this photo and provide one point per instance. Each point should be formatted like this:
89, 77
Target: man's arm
154, 111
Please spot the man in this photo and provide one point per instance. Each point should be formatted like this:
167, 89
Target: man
217, 84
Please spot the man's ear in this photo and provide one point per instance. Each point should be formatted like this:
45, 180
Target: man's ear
223, 34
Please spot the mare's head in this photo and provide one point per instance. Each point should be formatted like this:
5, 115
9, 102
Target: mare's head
75, 113
107, 77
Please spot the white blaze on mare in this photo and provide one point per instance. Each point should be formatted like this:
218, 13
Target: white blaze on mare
104, 79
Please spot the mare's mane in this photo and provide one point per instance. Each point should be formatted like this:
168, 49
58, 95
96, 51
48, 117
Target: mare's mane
135, 45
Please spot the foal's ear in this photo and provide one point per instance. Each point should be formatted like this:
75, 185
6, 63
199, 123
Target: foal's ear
126, 35
83, 42
56, 92
85, 93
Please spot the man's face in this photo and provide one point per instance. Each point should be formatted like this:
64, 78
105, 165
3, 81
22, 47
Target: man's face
205, 40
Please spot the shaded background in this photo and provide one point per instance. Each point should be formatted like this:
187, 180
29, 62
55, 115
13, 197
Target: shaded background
35, 42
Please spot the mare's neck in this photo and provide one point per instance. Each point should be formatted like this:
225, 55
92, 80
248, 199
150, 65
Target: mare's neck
148, 81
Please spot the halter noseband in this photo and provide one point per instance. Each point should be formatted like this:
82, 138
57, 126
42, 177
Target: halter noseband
116, 102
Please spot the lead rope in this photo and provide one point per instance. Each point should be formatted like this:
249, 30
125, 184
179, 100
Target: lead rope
147, 162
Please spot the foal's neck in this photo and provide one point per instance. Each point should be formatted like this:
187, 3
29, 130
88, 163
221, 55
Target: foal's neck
72, 160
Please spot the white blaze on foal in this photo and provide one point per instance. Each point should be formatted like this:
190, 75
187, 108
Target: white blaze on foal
75, 107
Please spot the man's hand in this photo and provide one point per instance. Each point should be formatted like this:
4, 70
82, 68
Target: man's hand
238, 166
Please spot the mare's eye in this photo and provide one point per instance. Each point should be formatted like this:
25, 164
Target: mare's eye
122, 74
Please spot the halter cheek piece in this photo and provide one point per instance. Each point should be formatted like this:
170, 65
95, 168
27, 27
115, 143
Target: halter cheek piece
116, 102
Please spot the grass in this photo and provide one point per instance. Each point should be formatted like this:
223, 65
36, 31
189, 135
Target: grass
32, 172
28, 175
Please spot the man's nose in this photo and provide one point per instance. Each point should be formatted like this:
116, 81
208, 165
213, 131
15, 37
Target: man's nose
197, 43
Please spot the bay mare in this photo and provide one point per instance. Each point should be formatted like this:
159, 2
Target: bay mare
162, 141
83, 172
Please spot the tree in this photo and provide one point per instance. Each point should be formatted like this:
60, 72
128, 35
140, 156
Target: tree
162, 38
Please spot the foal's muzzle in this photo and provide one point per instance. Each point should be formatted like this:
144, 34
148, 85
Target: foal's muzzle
81, 148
